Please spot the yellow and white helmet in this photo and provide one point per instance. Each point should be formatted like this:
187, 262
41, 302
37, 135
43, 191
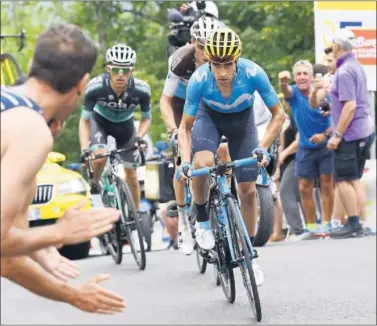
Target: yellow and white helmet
223, 45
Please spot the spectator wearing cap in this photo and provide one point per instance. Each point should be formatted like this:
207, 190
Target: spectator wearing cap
313, 159
353, 130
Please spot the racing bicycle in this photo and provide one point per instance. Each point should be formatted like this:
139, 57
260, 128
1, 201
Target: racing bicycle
116, 193
233, 247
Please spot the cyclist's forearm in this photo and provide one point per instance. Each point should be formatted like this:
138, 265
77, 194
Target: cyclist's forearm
30, 275
25, 241
84, 132
145, 125
184, 142
167, 112
274, 127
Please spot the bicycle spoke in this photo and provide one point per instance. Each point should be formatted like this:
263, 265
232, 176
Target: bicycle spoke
244, 257
131, 224
223, 261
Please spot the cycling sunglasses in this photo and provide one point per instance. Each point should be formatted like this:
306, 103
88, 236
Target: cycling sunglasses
118, 70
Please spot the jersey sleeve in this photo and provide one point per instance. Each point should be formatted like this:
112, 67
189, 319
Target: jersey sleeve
90, 98
194, 92
171, 84
265, 89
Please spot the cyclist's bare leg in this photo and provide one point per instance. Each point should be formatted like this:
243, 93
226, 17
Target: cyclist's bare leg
171, 223
133, 183
179, 190
98, 165
249, 208
224, 156
200, 186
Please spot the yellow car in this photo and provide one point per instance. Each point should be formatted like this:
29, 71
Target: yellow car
58, 189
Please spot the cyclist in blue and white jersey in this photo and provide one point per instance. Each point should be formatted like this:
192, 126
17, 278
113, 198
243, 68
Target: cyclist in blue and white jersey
182, 65
219, 100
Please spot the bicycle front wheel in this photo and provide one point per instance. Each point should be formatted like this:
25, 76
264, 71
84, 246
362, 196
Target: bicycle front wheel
111, 242
201, 262
115, 244
223, 265
242, 249
130, 222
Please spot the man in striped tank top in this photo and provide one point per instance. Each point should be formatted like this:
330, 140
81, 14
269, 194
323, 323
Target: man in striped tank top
62, 61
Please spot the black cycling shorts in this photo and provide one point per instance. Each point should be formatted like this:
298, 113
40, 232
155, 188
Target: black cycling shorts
124, 134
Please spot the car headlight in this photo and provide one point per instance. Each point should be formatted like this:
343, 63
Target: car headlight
76, 186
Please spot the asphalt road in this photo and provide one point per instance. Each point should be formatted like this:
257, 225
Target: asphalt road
307, 282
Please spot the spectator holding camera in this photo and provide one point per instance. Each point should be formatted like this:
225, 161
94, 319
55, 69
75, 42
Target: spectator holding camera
320, 94
353, 130
208, 8
313, 159
181, 21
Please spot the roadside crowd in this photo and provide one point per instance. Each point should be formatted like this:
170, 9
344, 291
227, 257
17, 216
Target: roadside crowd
325, 143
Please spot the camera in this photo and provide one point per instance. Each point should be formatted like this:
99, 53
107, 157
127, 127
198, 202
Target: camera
201, 5
179, 28
325, 106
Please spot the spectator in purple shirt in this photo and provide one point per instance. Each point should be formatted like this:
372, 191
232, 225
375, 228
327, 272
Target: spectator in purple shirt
353, 130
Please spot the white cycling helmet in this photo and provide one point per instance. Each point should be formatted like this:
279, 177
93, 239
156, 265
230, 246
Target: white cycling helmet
121, 54
210, 9
202, 29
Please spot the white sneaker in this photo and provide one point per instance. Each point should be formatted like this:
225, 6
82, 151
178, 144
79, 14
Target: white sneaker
204, 237
258, 274
185, 240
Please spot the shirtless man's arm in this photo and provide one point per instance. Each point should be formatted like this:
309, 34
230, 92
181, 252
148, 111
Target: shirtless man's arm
90, 297
23, 152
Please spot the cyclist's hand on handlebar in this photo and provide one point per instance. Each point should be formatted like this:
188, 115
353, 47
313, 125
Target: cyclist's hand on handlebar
141, 143
173, 139
262, 156
84, 156
185, 171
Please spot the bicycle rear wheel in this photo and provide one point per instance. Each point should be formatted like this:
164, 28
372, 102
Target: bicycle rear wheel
115, 244
239, 237
223, 265
130, 223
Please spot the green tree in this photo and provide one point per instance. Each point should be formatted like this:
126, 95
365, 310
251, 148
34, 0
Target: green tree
274, 34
